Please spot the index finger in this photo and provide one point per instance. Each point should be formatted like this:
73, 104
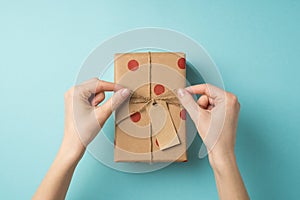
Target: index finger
207, 89
105, 86
95, 85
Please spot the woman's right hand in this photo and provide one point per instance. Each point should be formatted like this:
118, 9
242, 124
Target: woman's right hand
215, 115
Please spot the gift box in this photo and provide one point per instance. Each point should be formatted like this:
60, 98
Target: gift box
150, 126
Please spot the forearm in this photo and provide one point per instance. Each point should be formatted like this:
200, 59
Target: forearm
58, 178
228, 179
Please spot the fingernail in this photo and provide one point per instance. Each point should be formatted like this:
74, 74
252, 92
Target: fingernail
188, 89
125, 92
180, 92
118, 87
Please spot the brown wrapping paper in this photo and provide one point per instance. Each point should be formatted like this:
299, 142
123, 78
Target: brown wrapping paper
150, 125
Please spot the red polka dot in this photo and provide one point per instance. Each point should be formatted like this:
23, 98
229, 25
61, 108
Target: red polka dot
184, 161
115, 142
183, 114
133, 65
156, 142
181, 63
135, 117
159, 89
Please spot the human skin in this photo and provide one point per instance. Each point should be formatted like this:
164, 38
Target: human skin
79, 112
92, 117
215, 115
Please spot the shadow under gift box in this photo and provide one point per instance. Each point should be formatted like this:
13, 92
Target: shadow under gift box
150, 126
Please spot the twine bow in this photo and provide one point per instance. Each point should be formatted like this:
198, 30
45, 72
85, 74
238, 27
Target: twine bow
168, 97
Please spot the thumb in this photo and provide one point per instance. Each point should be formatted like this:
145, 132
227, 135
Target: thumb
189, 104
105, 110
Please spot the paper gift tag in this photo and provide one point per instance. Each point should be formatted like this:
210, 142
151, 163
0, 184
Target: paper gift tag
163, 127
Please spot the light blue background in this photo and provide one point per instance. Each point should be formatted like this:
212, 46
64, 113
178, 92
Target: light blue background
255, 45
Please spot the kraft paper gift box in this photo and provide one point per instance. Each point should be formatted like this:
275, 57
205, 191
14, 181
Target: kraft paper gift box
150, 126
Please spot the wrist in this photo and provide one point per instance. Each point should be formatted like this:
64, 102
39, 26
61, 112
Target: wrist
71, 154
71, 149
220, 161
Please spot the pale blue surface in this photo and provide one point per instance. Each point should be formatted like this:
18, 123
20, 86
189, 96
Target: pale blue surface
255, 45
